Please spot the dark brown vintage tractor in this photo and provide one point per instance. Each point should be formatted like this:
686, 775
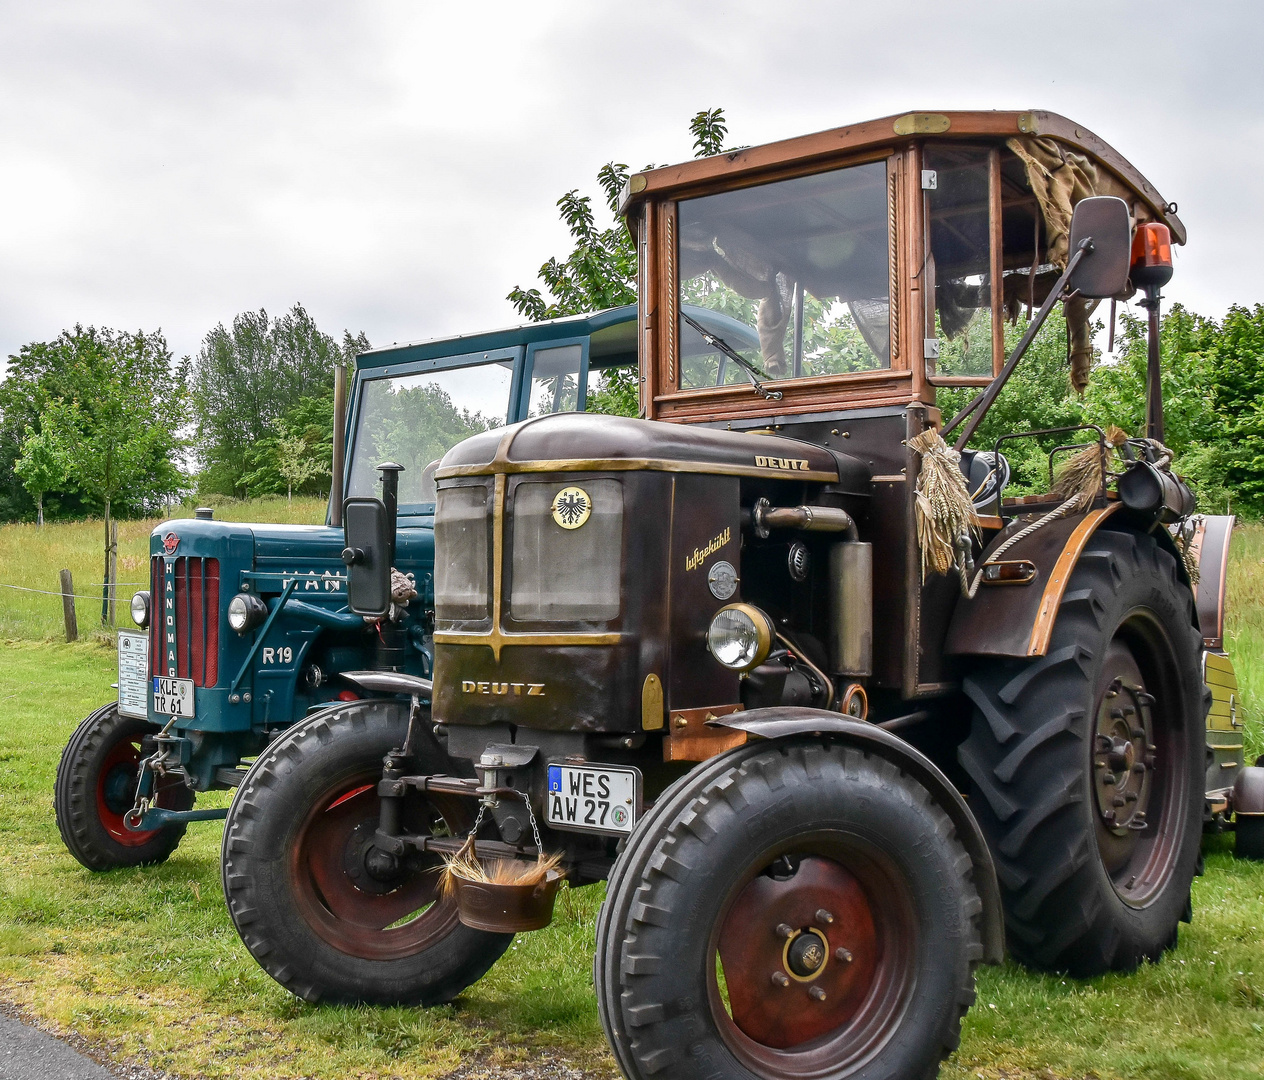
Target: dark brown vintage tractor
836, 718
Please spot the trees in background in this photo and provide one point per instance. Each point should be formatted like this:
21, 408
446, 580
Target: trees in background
600, 271
40, 468
262, 381
57, 403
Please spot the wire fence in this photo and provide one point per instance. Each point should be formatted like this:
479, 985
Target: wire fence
77, 596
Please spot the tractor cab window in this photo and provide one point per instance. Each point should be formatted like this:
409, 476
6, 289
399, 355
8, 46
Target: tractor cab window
958, 269
794, 276
555, 375
416, 419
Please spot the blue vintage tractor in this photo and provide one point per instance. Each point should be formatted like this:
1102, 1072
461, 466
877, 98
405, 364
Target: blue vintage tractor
245, 628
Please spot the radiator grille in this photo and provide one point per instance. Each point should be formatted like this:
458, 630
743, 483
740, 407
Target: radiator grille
184, 634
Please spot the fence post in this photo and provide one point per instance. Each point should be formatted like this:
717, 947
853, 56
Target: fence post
68, 606
113, 582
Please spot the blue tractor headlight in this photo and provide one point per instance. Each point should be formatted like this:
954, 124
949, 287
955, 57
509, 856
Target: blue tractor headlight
245, 612
140, 609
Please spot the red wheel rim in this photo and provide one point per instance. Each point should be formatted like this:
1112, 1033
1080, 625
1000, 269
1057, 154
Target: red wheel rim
818, 963
340, 897
116, 792
1140, 787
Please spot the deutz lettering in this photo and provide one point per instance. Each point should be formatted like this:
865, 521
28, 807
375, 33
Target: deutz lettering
792, 464
533, 689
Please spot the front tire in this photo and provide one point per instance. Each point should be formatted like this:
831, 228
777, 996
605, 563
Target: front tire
1086, 766
314, 901
803, 909
96, 786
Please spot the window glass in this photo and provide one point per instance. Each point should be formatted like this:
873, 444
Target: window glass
554, 380
461, 564
958, 269
565, 574
416, 419
794, 276
613, 390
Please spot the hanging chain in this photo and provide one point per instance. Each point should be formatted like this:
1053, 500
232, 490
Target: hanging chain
535, 826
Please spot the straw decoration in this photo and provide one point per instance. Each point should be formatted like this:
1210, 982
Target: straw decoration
945, 513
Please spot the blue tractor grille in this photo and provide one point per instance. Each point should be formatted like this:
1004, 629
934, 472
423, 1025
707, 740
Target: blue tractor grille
184, 633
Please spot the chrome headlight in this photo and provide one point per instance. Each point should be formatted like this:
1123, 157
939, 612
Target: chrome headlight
740, 636
245, 612
140, 609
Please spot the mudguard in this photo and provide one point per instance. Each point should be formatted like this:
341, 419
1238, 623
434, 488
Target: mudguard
778, 723
1210, 547
1013, 619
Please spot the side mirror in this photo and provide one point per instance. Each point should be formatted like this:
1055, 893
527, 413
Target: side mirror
1103, 272
368, 531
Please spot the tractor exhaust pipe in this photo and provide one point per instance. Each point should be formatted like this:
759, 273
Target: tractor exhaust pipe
340, 445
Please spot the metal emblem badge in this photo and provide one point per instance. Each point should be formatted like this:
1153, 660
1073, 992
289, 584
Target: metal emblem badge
571, 507
170, 542
722, 580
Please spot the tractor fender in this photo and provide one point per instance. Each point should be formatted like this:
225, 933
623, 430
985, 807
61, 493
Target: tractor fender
1210, 548
781, 723
390, 682
1017, 619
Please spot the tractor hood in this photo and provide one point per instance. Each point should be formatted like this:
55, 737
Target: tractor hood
311, 552
567, 442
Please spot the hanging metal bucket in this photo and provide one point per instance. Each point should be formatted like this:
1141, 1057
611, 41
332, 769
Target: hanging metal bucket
506, 909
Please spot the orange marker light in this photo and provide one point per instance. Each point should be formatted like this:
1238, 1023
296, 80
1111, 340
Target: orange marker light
1152, 254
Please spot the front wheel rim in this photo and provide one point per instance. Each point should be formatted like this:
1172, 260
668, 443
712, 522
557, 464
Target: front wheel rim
787, 1012
341, 891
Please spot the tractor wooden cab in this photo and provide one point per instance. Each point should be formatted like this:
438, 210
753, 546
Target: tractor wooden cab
878, 263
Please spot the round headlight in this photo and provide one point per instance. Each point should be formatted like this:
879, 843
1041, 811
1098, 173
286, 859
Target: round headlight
140, 609
740, 636
246, 612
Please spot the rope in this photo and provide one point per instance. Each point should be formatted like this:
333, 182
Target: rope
970, 588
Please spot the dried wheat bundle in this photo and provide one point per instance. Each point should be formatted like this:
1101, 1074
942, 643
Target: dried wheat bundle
465, 865
944, 510
1080, 478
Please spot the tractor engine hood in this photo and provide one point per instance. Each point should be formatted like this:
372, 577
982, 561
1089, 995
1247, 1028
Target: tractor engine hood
571, 442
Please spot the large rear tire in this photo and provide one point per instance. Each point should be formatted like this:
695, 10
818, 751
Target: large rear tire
96, 786
801, 909
1086, 766
326, 913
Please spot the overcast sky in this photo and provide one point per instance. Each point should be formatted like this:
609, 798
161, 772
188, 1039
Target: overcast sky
394, 166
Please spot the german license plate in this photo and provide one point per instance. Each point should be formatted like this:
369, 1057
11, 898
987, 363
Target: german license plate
173, 697
593, 798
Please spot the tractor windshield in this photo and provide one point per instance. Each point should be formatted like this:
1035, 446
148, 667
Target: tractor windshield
416, 419
803, 263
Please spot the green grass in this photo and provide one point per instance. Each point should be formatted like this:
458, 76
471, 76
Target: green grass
32, 557
1244, 628
145, 963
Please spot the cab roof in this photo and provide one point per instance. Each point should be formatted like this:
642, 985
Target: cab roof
817, 149
611, 332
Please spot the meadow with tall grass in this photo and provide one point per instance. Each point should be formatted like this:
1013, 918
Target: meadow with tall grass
146, 966
32, 556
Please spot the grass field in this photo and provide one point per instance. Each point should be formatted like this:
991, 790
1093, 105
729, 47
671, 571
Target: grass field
145, 964
32, 557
